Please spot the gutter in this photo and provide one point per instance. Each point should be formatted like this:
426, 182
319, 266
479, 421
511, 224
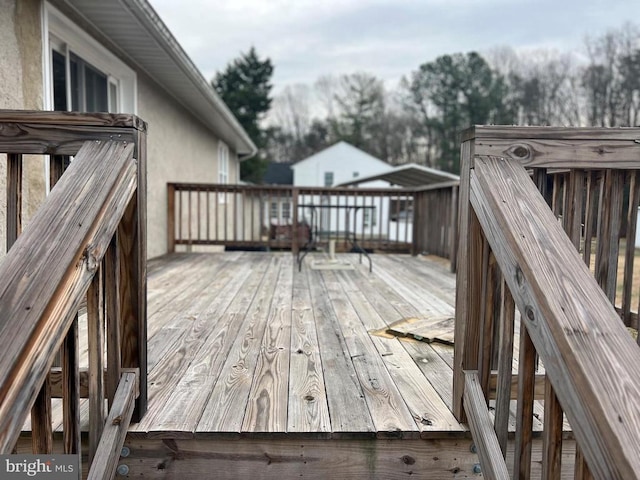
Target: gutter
148, 17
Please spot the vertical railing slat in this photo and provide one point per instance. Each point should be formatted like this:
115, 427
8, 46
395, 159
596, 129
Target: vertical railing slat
112, 319
552, 435
610, 212
14, 198
171, 218
71, 391
41, 428
505, 366
630, 248
524, 416
590, 220
95, 328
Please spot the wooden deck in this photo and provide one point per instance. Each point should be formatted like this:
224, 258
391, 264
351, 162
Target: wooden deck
258, 370
243, 344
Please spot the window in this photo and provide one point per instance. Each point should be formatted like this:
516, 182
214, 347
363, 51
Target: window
286, 210
274, 210
223, 169
370, 217
82, 75
328, 179
223, 163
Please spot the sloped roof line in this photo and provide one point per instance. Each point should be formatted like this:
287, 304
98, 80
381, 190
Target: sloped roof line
169, 66
339, 144
408, 175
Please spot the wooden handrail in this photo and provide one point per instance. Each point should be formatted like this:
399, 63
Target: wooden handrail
590, 359
48, 270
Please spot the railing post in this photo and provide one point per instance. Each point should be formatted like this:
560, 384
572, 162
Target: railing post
132, 239
453, 229
171, 218
418, 215
468, 285
294, 233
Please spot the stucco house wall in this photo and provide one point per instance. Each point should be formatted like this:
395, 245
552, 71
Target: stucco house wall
21, 88
180, 149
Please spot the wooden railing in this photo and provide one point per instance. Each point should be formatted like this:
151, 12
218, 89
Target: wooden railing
83, 250
279, 217
520, 272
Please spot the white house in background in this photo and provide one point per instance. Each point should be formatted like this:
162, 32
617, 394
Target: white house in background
118, 57
335, 165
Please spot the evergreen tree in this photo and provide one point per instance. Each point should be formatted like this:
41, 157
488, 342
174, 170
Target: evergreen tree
245, 86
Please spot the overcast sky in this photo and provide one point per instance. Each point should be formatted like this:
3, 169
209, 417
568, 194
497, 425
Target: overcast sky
388, 38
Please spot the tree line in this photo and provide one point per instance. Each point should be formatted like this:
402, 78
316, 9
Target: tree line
421, 119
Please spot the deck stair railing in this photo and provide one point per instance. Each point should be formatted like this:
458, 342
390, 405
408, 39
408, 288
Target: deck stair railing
83, 250
412, 220
554, 257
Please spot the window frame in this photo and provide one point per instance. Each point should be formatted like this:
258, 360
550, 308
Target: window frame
63, 35
328, 175
223, 168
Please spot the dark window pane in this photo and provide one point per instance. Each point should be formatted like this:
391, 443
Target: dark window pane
95, 90
88, 87
59, 82
75, 72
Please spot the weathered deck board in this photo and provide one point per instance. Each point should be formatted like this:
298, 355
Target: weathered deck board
203, 370
308, 408
348, 410
226, 407
269, 395
388, 410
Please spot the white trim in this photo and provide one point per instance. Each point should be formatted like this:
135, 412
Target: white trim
47, 97
59, 29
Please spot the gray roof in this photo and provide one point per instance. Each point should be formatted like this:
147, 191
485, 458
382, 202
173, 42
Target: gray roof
278, 174
136, 30
409, 175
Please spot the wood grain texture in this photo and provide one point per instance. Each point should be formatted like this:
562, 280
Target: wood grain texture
308, 410
185, 326
284, 458
388, 410
95, 329
113, 327
347, 406
489, 450
565, 311
524, 416
268, 398
42, 433
609, 221
505, 362
425, 405
115, 430
467, 293
206, 345
568, 134
71, 391
630, 249
552, 448
225, 410
40, 293
594, 152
